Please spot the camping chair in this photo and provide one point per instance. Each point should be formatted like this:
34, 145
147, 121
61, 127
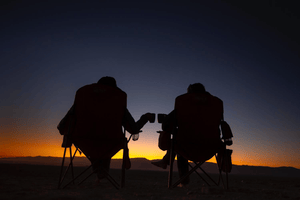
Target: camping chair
67, 144
196, 133
221, 155
96, 129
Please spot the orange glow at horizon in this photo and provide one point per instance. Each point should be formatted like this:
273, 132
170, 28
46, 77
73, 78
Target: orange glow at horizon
28, 141
20, 149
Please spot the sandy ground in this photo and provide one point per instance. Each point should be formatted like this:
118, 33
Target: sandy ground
20, 181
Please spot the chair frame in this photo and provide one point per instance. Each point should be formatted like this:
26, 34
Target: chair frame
70, 166
194, 168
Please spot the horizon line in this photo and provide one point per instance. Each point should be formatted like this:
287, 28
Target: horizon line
141, 158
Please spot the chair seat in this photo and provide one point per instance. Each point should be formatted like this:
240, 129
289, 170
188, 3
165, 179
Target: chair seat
99, 149
198, 152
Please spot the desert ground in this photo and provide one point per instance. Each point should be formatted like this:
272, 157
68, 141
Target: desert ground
24, 181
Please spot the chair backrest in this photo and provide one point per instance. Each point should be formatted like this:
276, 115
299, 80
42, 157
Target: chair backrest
198, 118
99, 112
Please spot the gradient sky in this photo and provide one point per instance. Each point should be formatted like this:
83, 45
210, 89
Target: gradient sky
245, 54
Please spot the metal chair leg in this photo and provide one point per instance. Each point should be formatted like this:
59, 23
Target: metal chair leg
61, 178
171, 165
61, 169
123, 170
77, 176
200, 175
71, 163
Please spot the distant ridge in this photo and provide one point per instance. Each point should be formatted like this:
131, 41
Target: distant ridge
145, 164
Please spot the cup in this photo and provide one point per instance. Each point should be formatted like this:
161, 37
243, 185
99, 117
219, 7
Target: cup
151, 117
135, 137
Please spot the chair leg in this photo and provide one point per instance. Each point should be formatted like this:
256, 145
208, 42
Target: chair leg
220, 170
223, 162
171, 165
71, 163
107, 175
221, 178
86, 177
227, 182
200, 175
61, 169
112, 180
188, 174
78, 176
208, 175
109, 178
123, 171
70, 166
226, 170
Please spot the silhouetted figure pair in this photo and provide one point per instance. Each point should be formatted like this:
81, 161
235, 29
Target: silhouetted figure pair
100, 111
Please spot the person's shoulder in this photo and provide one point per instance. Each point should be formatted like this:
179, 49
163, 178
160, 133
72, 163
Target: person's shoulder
121, 91
115, 90
215, 98
85, 87
182, 95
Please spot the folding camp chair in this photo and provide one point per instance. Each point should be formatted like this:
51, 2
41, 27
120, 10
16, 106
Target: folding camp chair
67, 144
196, 134
222, 164
94, 126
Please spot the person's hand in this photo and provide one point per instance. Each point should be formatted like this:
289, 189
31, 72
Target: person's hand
150, 117
144, 117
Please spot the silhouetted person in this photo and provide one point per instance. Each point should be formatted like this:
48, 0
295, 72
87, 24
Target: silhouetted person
195, 122
100, 111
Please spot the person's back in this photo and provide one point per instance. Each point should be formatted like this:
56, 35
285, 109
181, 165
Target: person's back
195, 124
198, 118
97, 116
99, 112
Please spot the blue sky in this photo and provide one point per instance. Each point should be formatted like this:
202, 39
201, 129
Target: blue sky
247, 55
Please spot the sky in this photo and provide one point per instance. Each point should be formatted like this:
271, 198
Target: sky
247, 54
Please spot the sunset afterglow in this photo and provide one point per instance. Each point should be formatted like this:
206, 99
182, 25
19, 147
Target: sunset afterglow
246, 56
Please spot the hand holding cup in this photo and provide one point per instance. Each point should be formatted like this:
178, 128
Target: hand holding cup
151, 117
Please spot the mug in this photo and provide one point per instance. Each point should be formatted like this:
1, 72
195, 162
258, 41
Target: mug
152, 117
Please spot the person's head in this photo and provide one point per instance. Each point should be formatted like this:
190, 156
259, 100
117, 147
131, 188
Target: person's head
107, 80
196, 88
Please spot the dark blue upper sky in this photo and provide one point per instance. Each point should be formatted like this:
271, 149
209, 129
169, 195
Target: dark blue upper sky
246, 54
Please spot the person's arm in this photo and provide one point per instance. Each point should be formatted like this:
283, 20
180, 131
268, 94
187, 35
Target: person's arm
130, 125
142, 121
169, 122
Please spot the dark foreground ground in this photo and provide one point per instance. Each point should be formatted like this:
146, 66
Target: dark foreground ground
20, 181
